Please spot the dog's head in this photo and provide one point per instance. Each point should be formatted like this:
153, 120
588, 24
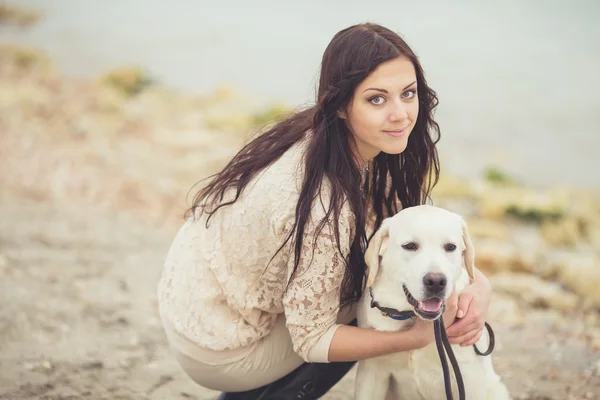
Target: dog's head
416, 258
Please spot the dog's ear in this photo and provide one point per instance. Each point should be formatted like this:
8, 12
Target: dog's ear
469, 252
375, 250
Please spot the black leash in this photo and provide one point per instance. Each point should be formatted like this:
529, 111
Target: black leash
441, 339
443, 346
492, 344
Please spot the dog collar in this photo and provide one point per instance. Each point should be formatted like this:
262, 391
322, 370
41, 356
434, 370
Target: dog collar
399, 317
391, 312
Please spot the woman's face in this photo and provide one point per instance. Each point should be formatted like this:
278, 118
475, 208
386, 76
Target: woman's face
384, 109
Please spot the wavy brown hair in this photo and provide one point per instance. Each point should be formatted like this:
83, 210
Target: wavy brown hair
350, 57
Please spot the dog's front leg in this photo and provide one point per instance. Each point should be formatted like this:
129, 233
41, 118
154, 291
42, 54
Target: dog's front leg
372, 380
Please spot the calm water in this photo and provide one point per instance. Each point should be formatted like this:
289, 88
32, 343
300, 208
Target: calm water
518, 81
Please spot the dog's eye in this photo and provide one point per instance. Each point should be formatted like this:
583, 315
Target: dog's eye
449, 247
410, 246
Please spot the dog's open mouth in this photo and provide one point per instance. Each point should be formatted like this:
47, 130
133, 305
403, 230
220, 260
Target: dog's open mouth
429, 309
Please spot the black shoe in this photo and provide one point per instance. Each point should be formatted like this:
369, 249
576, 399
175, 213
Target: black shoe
248, 395
309, 381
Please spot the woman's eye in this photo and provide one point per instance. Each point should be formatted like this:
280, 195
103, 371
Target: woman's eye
409, 94
449, 247
377, 100
410, 246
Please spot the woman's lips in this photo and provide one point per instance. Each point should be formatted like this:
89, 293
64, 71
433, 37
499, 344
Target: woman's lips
397, 132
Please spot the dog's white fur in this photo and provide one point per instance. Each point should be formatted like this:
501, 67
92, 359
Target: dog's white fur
417, 375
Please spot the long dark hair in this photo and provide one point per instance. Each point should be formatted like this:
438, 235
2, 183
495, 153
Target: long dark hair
350, 57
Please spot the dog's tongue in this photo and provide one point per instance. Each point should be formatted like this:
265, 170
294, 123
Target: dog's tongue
431, 305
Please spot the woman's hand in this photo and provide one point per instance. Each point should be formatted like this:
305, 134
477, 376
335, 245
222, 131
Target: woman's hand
473, 305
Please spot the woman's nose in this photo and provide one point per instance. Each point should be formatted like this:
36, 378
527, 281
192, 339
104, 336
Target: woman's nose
398, 113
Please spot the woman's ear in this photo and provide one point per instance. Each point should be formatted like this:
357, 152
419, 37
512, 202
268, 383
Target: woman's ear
342, 114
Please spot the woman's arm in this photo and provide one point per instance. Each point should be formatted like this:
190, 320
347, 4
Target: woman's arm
350, 343
354, 344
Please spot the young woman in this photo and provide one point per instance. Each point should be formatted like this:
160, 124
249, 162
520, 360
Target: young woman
257, 290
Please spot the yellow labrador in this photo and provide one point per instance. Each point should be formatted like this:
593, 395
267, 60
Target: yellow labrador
416, 259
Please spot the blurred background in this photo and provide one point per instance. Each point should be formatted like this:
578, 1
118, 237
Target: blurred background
111, 111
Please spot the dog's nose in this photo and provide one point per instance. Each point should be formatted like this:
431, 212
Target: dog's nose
434, 283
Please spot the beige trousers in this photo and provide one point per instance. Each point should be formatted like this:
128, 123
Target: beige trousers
238, 370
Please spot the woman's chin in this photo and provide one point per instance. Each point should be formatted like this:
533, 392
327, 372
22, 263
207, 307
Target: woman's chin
394, 149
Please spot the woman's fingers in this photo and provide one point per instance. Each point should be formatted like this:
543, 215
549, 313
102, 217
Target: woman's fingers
473, 340
464, 333
461, 326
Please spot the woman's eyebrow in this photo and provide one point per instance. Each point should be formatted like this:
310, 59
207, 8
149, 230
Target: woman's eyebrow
385, 91
409, 85
379, 90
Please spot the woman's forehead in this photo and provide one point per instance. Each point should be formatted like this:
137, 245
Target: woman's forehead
391, 75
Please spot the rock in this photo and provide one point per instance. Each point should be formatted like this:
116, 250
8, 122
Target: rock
224, 94
594, 238
18, 15
126, 362
271, 115
534, 291
108, 100
26, 58
592, 319
3, 265
495, 255
526, 204
134, 341
505, 309
566, 232
449, 186
238, 122
47, 364
487, 228
580, 272
594, 338
497, 176
127, 80
95, 364
530, 248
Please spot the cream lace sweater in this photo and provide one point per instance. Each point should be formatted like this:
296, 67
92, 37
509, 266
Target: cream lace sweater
219, 290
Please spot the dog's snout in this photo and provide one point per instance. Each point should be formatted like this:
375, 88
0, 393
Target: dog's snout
434, 283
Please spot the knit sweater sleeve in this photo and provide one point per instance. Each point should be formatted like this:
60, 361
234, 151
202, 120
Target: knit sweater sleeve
312, 301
